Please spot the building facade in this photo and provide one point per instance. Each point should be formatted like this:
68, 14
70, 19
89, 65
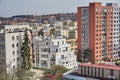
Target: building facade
48, 51
100, 71
98, 30
11, 38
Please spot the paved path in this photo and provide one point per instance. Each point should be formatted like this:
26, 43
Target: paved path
38, 75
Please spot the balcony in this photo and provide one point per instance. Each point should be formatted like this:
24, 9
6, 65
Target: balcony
104, 39
103, 31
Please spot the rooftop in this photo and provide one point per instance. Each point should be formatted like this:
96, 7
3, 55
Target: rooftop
114, 67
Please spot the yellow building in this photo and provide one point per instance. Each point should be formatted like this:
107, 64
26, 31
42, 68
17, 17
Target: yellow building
72, 39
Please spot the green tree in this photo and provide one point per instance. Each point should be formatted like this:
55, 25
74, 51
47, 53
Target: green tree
57, 71
25, 51
117, 62
86, 54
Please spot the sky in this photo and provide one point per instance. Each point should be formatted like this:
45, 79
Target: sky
38, 7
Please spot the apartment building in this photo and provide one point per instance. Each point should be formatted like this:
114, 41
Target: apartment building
98, 30
99, 71
11, 38
70, 33
48, 51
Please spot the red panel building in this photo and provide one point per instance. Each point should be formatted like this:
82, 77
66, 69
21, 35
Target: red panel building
95, 31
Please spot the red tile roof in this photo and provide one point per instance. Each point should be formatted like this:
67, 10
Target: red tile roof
114, 67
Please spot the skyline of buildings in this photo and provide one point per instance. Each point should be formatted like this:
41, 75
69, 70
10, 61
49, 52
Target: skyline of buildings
60, 39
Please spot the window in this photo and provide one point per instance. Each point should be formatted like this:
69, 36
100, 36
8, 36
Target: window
1, 39
14, 67
17, 51
13, 59
88, 71
56, 50
102, 72
111, 72
62, 42
13, 52
96, 47
1, 54
44, 56
12, 45
91, 71
84, 70
62, 56
95, 71
58, 42
17, 59
12, 37
66, 48
17, 44
99, 72
17, 37
44, 49
1, 46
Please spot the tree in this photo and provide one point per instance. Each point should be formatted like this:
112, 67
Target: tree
56, 71
86, 54
21, 74
117, 62
25, 52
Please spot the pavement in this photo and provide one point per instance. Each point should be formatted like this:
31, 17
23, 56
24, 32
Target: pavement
38, 75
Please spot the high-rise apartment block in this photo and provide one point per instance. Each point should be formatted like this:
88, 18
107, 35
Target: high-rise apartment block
98, 30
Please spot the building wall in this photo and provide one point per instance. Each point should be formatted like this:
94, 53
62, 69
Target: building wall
79, 56
13, 38
98, 30
57, 52
115, 29
2, 58
98, 72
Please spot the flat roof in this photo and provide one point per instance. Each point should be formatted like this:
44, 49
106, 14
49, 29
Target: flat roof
105, 66
76, 77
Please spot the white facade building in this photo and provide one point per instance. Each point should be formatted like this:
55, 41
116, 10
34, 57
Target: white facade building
116, 30
11, 37
48, 51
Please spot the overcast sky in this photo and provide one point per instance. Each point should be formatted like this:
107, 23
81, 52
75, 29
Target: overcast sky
20, 7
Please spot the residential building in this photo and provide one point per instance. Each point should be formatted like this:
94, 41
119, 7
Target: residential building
11, 38
100, 71
70, 33
98, 30
48, 51
72, 39
36, 28
116, 30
